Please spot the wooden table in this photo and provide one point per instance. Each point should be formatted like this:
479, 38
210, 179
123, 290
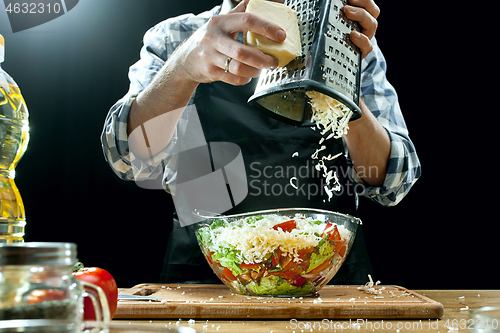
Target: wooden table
457, 304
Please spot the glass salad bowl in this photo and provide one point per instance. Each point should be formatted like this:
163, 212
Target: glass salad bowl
280, 252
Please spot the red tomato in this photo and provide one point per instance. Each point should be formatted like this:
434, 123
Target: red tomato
103, 279
209, 257
333, 234
257, 275
275, 257
245, 277
228, 274
298, 281
286, 226
289, 274
244, 265
305, 256
341, 249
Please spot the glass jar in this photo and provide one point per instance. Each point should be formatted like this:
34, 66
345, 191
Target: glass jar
36, 282
484, 320
65, 326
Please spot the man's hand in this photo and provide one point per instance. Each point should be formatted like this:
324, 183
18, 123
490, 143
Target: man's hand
203, 56
199, 59
366, 13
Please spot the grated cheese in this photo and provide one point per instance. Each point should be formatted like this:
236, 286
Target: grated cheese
329, 115
257, 241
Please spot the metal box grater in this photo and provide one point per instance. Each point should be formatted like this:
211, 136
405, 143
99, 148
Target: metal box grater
330, 64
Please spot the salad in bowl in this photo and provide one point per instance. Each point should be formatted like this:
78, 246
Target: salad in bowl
282, 252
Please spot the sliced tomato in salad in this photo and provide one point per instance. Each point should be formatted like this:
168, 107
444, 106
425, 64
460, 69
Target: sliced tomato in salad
305, 254
276, 257
256, 276
209, 257
291, 270
228, 274
291, 266
341, 249
298, 281
286, 226
333, 235
254, 266
332, 232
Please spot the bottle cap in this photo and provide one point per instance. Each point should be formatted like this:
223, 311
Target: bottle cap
2, 48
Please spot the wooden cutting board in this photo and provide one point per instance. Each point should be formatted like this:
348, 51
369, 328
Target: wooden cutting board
193, 301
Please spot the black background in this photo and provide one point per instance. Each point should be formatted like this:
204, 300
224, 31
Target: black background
73, 69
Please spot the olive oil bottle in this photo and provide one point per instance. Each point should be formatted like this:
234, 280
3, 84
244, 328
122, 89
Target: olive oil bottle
14, 137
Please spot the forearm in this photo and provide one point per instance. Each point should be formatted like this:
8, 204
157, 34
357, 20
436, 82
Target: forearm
369, 147
157, 110
199, 59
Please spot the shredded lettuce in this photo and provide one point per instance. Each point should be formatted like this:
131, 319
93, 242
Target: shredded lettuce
322, 253
230, 258
276, 285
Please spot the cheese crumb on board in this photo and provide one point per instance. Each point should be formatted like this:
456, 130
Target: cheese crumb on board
287, 19
369, 287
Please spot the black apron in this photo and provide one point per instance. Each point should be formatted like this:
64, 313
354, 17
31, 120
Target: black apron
267, 146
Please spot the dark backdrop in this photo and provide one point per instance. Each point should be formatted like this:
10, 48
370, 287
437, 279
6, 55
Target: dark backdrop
73, 69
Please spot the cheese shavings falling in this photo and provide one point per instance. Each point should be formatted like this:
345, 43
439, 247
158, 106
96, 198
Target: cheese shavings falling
329, 115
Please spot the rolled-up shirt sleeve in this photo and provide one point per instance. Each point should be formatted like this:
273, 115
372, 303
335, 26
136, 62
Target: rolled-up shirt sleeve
381, 98
114, 139
159, 43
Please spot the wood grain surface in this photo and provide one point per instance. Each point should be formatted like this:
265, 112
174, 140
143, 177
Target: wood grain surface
218, 302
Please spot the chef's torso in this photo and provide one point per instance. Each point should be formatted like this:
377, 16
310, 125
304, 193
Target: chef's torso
280, 174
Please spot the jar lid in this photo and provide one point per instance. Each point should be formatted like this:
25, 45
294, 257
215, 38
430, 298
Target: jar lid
41, 254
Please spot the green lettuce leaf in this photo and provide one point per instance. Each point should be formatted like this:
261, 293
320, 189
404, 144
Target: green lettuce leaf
324, 251
276, 285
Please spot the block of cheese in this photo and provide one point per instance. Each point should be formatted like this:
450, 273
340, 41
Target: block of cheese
287, 19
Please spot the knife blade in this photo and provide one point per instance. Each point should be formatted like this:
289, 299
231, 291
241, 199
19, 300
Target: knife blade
135, 298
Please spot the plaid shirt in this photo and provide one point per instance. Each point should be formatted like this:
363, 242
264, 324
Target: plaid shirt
378, 94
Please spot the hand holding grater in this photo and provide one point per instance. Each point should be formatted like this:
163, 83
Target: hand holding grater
330, 64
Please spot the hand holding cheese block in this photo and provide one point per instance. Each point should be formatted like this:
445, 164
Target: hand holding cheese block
286, 18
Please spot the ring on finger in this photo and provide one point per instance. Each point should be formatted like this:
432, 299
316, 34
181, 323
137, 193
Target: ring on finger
228, 61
